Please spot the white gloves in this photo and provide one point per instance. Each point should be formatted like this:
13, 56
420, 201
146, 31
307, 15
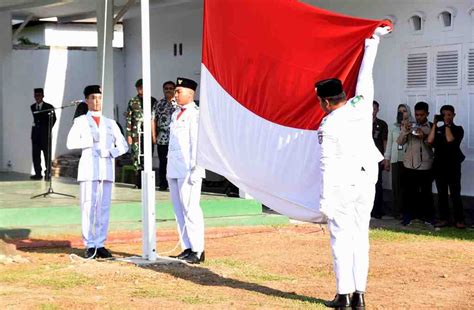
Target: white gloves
194, 177
381, 31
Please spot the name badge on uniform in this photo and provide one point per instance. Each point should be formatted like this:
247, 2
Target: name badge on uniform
320, 137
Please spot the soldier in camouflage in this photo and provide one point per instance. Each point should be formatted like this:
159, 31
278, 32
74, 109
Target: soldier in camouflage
135, 129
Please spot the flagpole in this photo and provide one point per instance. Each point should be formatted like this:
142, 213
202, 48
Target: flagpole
148, 176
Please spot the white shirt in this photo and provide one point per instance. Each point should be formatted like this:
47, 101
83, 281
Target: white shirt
348, 152
182, 149
100, 145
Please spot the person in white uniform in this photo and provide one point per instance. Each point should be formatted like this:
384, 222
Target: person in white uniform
101, 142
349, 167
184, 175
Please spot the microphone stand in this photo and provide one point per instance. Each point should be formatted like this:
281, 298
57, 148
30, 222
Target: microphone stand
50, 190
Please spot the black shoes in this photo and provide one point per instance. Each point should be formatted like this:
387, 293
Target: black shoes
93, 253
36, 177
358, 302
90, 253
103, 253
345, 302
183, 254
162, 188
191, 257
340, 301
195, 258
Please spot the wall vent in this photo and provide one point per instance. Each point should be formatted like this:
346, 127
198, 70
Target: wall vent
447, 68
417, 70
470, 67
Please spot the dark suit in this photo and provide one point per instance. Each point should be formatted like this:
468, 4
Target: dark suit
41, 136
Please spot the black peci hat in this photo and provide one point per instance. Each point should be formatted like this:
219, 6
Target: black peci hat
92, 89
139, 83
329, 88
186, 83
38, 91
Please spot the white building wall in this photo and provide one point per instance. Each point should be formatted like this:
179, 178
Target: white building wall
169, 26
63, 74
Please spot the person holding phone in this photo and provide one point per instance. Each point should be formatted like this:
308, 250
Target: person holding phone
418, 161
394, 156
448, 157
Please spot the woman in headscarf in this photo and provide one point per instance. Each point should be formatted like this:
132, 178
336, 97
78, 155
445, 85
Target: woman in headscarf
394, 155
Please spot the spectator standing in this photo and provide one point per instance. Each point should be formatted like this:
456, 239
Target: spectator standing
41, 134
161, 115
135, 130
448, 157
379, 134
394, 156
418, 161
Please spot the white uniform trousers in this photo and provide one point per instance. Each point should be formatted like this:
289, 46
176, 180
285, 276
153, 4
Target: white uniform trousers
350, 237
188, 213
95, 207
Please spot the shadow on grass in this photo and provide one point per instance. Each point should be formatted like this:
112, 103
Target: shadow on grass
205, 277
418, 228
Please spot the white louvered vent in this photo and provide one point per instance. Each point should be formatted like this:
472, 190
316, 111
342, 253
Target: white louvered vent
417, 70
470, 67
447, 68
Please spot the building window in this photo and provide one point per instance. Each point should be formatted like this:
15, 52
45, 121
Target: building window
446, 18
178, 49
416, 22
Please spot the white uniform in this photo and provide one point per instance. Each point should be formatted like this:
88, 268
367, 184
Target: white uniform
349, 160
96, 172
185, 177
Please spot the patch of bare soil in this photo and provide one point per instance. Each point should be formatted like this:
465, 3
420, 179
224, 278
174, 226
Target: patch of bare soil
247, 268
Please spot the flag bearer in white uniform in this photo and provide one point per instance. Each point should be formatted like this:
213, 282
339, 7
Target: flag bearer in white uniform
349, 160
101, 142
183, 174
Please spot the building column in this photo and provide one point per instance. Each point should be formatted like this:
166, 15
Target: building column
105, 55
5, 64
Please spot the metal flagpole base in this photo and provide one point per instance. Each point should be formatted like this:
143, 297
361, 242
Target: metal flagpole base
159, 260
148, 216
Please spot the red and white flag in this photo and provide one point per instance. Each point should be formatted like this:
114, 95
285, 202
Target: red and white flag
258, 111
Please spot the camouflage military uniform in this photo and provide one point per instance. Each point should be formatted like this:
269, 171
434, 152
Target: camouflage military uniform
135, 129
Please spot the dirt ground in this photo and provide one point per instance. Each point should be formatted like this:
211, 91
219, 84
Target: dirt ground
280, 267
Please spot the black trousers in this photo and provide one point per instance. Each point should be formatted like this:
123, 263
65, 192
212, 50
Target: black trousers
39, 146
163, 157
418, 195
377, 210
449, 176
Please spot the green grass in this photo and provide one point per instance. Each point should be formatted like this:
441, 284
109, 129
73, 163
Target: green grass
249, 272
148, 293
195, 300
48, 307
418, 232
53, 276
